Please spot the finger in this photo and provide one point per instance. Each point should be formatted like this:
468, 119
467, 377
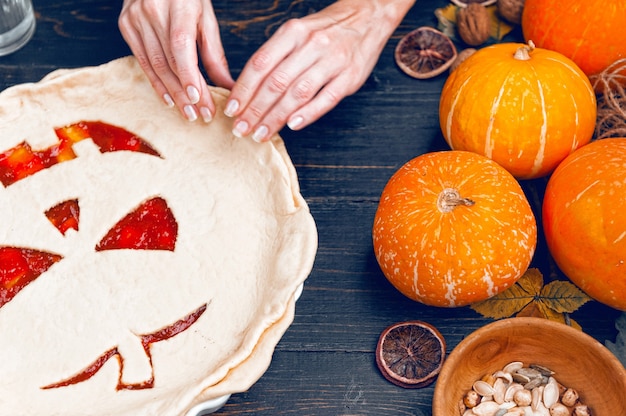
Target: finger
134, 42
149, 41
145, 45
293, 83
149, 49
302, 92
212, 51
197, 100
180, 44
262, 62
157, 57
324, 101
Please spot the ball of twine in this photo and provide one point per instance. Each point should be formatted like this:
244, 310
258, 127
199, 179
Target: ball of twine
611, 120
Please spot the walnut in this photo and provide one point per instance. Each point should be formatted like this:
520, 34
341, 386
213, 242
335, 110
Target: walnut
511, 10
473, 24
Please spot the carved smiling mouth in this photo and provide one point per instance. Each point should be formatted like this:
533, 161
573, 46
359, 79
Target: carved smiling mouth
146, 341
150, 226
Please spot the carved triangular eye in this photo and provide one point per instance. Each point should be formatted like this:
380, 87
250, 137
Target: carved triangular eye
151, 226
65, 215
19, 267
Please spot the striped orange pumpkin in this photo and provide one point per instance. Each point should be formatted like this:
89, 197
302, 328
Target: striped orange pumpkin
584, 222
526, 108
453, 228
591, 33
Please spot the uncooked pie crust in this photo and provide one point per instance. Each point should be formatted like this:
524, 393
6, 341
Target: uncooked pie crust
246, 241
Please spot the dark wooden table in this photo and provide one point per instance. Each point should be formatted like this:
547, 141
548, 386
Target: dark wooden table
324, 365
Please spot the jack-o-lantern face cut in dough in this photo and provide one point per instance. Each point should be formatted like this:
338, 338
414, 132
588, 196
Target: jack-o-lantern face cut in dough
146, 263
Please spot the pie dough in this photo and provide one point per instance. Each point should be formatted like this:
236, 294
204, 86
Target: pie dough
246, 240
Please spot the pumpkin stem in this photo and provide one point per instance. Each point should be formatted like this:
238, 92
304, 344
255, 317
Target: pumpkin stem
450, 198
523, 52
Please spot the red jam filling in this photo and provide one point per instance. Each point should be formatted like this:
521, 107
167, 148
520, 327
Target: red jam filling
146, 341
151, 226
19, 267
64, 216
22, 161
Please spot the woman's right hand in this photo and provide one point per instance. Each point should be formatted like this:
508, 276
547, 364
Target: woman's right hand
164, 36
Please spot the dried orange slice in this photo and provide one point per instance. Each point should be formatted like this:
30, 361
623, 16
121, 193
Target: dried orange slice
410, 354
465, 3
425, 53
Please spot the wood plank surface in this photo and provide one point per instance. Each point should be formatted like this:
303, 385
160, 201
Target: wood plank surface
324, 365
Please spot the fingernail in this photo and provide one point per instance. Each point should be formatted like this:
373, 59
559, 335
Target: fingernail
206, 114
240, 129
193, 94
295, 122
168, 100
231, 108
260, 134
190, 112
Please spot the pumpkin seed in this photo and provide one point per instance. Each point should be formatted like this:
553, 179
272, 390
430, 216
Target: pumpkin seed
545, 371
483, 388
517, 390
550, 393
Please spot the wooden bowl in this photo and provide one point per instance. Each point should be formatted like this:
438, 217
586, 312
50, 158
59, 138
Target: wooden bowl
578, 360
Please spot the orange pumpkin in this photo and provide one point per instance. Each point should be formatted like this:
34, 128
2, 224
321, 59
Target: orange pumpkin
453, 228
592, 33
584, 221
525, 108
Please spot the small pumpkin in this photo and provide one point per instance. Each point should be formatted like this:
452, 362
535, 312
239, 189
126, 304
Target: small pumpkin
584, 222
589, 32
526, 108
453, 228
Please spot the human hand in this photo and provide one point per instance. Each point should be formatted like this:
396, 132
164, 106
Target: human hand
310, 64
165, 35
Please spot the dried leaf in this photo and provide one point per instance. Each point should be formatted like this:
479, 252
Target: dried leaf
506, 303
618, 348
529, 297
498, 28
447, 20
532, 310
539, 310
531, 282
563, 297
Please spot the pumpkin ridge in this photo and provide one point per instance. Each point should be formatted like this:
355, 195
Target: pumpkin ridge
539, 156
590, 22
576, 72
583, 35
575, 141
548, 31
449, 119
489, 142
584, 191
591, 33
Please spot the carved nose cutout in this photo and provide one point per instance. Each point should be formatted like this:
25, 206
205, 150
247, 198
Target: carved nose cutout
65, 215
